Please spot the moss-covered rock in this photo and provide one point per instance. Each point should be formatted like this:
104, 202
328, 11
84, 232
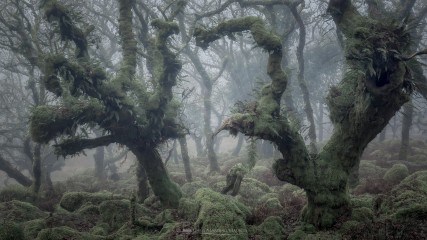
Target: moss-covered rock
418, 158
33, 227
271, 228
188, 209
16, 192
368, 170
396, 173
362, 214
18, 211
189, 189
365, 200
11, 231
60, 233
115, 213
264, 175
408, 200
251, 189
72, 201
220, 216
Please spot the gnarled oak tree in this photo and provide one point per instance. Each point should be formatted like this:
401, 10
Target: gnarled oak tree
376, 83
131, 113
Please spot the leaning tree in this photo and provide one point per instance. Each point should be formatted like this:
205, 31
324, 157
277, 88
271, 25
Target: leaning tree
135, 112
375, 84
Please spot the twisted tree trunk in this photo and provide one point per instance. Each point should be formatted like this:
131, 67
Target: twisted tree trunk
166, 190
369, 95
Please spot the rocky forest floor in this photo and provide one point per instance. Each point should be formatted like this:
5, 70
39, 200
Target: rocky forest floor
390, 202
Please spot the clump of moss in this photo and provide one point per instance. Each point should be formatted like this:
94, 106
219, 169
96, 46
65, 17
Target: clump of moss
188, 208
18, 211
33, 227
265, 175
189, 189
220, 216
72, 201
251, 189
396, 173
65, 233
271, 228
16, 192
11, 231
408, 200
368, 170
365, 200
362, 214
115, 213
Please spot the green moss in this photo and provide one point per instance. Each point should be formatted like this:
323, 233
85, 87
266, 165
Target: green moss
189, 189
72, 201
33, 227
362, 214
350, 226
408, 200
396, 173
16, 192
167, 231
220, 217
367, 169
60, 233
20, 211
11, 231
271, 228
188, 208
115, 213
362, 201
418, 158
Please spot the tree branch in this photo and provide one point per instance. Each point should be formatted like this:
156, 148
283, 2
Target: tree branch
75, 145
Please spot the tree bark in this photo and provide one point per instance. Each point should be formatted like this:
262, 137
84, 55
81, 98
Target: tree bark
12, 172
185, 158
408, 112
166, 190
37, 169
142, 182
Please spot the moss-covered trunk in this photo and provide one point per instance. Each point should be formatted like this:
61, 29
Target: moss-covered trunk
166, 190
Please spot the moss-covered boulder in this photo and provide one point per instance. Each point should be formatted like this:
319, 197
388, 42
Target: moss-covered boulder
11, 231
18, 211
220, 216
33, 227
368, 170
264, 175
362, 214
396, 173
408, 200
115, 213
251, 190
272, 228
16, 192
189, 189
60, 233
365, 200
72, 201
